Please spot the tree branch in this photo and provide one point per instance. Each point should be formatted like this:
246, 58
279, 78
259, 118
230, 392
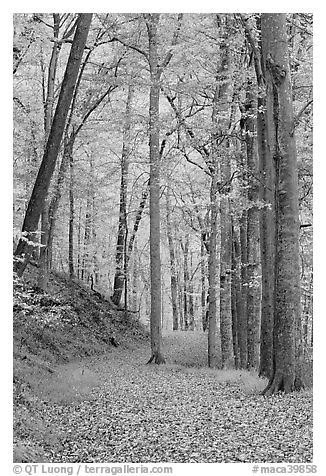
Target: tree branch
169, 54
132, 47
297, 117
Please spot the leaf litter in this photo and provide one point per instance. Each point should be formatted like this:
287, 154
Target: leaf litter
146, 413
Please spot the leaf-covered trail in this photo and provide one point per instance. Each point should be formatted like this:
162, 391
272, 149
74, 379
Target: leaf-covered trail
117, 409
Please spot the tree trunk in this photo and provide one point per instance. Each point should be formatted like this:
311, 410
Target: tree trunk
241, 321
185, 249
191, 321
48, 114
252, 280
203, 284
120, 278
55, 201
225, 216
155, 234
287, 268
174, 298
42, 183
212, 273
71, 221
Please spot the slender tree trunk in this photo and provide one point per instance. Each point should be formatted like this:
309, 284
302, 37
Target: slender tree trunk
120, 278
71, 221
55, 201
79, 243
174, 299
44, 264
241, 324
185, 249
285, 375
253, 285
42, 183
191, 296
138, 217
203, 284
213, 267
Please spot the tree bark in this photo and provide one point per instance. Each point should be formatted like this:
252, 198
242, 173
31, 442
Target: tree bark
174, 296
225, 216
42, 183
241, 321
154, 154
48, 114
203, 284
120, 278
252, 280
285, 376
185, 249
71, 220
213, 267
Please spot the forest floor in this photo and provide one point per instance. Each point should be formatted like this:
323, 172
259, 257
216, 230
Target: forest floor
112, 407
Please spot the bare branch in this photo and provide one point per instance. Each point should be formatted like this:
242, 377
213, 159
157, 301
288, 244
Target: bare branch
132, 47
297, 117
169, 54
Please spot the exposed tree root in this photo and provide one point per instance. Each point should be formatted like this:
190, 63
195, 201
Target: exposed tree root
282, 383
156, 358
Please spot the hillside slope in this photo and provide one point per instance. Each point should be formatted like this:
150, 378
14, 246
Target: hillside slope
66, 324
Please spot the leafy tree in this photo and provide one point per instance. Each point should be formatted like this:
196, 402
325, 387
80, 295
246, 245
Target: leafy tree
25, 245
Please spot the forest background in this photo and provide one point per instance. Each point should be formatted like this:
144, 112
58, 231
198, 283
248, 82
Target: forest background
318, 185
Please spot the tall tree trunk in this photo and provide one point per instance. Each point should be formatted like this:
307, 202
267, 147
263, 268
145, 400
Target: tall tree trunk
71, 221
213, 261
42, 183
213, 267
120, 278
48, 114
79, 252
155, 234
185, 249
174, 298
237, 283
191, 323
225, 216
265, 140
266, 146
287, 269
203, 284
253, 286
68, 145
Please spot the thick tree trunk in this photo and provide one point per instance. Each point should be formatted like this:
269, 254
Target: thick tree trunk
265, 142
287, 269
120, 278
42, 183
225, 216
